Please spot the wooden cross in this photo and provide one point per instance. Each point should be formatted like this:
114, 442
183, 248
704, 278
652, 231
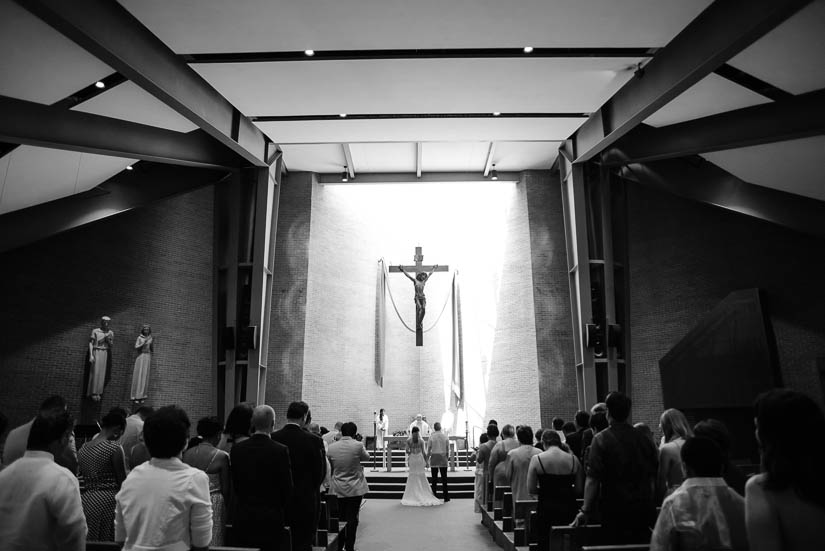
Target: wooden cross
419, 268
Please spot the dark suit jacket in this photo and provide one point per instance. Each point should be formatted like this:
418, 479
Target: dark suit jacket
306, 455
576, 441
262, 484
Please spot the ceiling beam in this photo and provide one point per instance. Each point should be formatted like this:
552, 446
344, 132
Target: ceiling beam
125, 191
380, 116
108, 31
412, 178
419, 157
720, 32
26, 122
700, 180
491, 151
798, 117
348, 157
425, 53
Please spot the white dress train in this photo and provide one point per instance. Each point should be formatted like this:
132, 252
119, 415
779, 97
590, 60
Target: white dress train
417, 492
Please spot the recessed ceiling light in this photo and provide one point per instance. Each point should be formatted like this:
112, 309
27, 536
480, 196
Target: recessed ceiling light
309, 53
130, 167
343, 115
496, 113
99, 84
528, 49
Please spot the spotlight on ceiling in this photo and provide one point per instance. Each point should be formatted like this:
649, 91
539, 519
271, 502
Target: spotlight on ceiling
130, 167
342, 115
494, 173
100, 84
345, 175
496, 113
309, 53
528, 49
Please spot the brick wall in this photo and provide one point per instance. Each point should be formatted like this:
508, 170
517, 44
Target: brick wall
351, 228
685, 257
551, 293
151, 265
286, 341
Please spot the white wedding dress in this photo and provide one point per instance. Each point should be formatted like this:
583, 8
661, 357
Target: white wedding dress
417, 492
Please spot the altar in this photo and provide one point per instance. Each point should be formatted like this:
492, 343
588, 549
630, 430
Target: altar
397, 442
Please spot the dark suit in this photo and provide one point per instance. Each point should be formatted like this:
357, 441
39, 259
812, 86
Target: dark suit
262, 482
306, 454
576, 441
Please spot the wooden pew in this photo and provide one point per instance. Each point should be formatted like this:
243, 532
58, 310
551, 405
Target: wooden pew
507, 512
626, 547
522, 509
567, 538
112, 546
498, 501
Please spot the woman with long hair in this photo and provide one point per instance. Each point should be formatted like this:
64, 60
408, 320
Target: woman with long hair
417, 492
675, 429
785, 503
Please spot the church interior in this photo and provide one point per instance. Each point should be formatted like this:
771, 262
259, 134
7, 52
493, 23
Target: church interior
615, 196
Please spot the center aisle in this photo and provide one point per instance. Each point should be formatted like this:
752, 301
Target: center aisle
386, 525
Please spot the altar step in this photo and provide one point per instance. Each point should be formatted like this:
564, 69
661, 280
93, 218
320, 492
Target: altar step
391, 486
399, 459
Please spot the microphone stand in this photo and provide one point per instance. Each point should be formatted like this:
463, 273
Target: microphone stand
374, 440
466, 445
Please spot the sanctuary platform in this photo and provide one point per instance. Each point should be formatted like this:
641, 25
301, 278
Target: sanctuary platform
384, 485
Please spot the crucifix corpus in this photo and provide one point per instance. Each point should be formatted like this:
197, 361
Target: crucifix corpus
422, 274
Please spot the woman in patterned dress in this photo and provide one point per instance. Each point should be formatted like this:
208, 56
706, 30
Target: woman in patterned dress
215, 463
103, 467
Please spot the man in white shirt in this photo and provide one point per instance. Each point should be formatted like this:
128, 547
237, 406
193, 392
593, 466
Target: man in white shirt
439, 454
17, 438
333, 435
134, 426
40, 507
422, 425
703, 513
144, 517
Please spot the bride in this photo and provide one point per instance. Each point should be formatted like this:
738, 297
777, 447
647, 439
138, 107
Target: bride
417, 493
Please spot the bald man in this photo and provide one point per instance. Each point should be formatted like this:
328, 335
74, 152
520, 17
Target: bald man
262, 482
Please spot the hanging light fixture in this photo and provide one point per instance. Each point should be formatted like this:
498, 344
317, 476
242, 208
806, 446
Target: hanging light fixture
493, 173
345, 175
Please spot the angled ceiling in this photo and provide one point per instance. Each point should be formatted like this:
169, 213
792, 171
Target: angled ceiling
399, 103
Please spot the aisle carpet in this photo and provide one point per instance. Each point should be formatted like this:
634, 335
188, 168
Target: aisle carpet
386, 525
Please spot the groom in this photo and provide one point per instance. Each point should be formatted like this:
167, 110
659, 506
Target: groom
439, 454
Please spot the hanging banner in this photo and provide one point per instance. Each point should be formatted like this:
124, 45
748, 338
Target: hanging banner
457, 385
380, 323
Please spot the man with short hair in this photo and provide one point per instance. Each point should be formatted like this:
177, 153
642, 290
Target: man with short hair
306, 456
498, 457
262, 482
347, 481
18, 437
134, 426
621, 466
576, 440
40, 507
703, 513
144, 517
439, 454
518, 462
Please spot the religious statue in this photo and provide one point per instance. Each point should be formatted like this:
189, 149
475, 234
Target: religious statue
420, 300
140, 375
100, 344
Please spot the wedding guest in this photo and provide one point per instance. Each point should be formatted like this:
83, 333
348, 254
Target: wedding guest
598, 422
484, 452
718, 432
262, 483
568, 429
622, 463
102, 465
538, 443
518, 462
333, 435
785, 503
576, 440
15, 446
206, 457
498, 456
348, 482
40, 505
557, 478
306, 455
675, 430
558, 426
702, 513
144, 518
134, 428
238, 426
644, 429
479, 486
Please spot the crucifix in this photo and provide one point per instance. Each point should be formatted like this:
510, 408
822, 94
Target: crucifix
422, 274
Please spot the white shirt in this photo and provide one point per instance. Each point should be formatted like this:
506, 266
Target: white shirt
703, 513
40, 506
131, 436
164, 505
422, 425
